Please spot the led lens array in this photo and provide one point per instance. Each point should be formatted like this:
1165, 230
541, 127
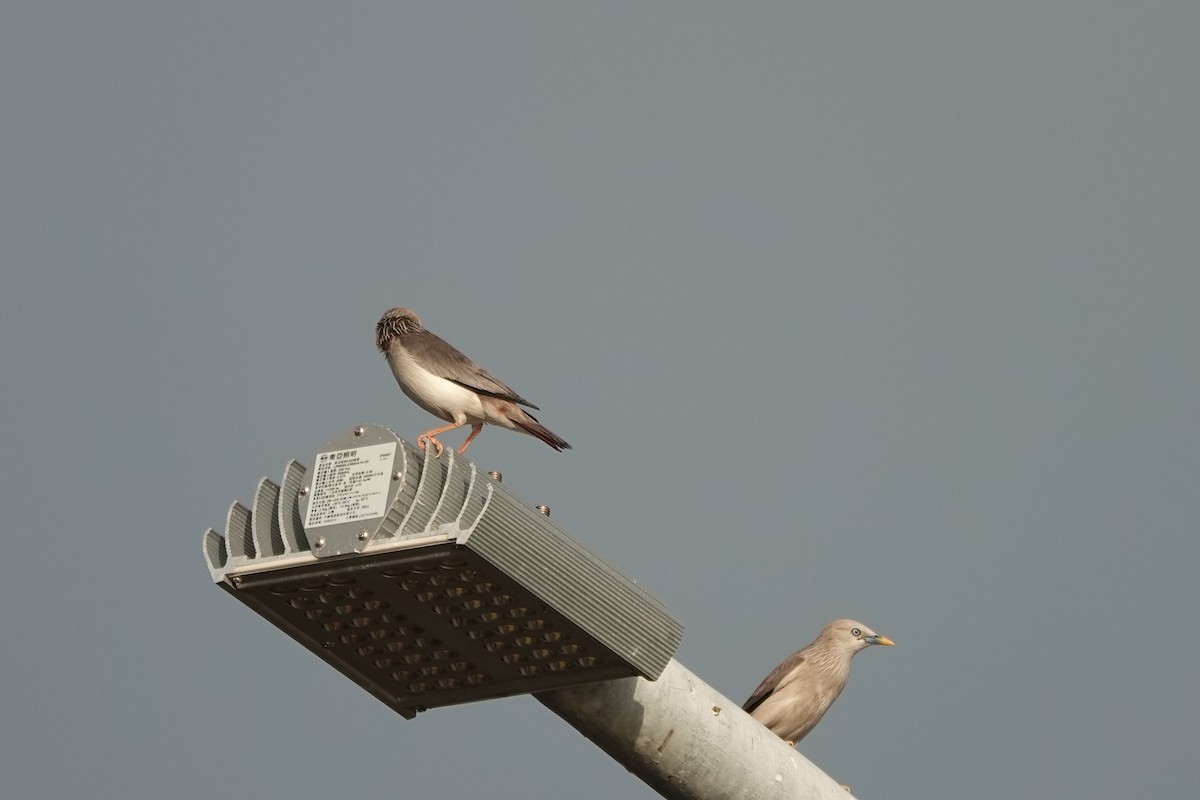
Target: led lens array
435, 631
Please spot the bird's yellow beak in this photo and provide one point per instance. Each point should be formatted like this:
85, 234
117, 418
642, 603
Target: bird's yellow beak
884, 640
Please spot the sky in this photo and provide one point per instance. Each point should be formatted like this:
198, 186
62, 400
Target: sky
879, 310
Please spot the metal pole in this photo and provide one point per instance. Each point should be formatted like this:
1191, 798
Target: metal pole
687, 741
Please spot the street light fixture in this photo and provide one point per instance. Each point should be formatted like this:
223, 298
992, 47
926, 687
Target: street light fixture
428, 583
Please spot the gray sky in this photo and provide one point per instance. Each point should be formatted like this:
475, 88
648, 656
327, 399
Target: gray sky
883, 310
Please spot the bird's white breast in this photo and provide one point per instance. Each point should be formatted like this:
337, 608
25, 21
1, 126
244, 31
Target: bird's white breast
440, 397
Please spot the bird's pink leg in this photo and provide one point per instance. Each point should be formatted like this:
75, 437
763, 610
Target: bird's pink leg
432, 437
475, 429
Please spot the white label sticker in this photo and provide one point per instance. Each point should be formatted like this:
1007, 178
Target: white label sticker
350, 485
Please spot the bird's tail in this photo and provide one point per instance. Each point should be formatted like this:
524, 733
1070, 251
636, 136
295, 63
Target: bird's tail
534, 428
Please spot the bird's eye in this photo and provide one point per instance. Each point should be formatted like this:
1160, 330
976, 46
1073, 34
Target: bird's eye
855, 632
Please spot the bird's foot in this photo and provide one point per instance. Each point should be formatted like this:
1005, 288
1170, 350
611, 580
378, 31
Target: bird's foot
423, 438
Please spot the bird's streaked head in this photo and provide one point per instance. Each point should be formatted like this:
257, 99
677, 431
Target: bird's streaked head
396, 322
851, 636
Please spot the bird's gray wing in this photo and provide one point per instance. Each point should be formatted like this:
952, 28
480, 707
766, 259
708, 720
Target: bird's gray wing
443, 359
772, 681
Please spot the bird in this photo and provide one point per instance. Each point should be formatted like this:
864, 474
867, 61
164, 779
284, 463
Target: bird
791, 700
451, 386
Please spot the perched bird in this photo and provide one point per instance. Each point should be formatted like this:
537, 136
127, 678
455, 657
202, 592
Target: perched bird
451, 386
793, 698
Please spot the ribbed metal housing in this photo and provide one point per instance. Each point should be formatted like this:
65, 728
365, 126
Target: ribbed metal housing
461, 592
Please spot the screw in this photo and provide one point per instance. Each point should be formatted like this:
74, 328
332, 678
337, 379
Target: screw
303, 490
360, 430
362, 535
319, 543
395, 476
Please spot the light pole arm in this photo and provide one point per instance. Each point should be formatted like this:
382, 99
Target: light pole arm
687, 741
